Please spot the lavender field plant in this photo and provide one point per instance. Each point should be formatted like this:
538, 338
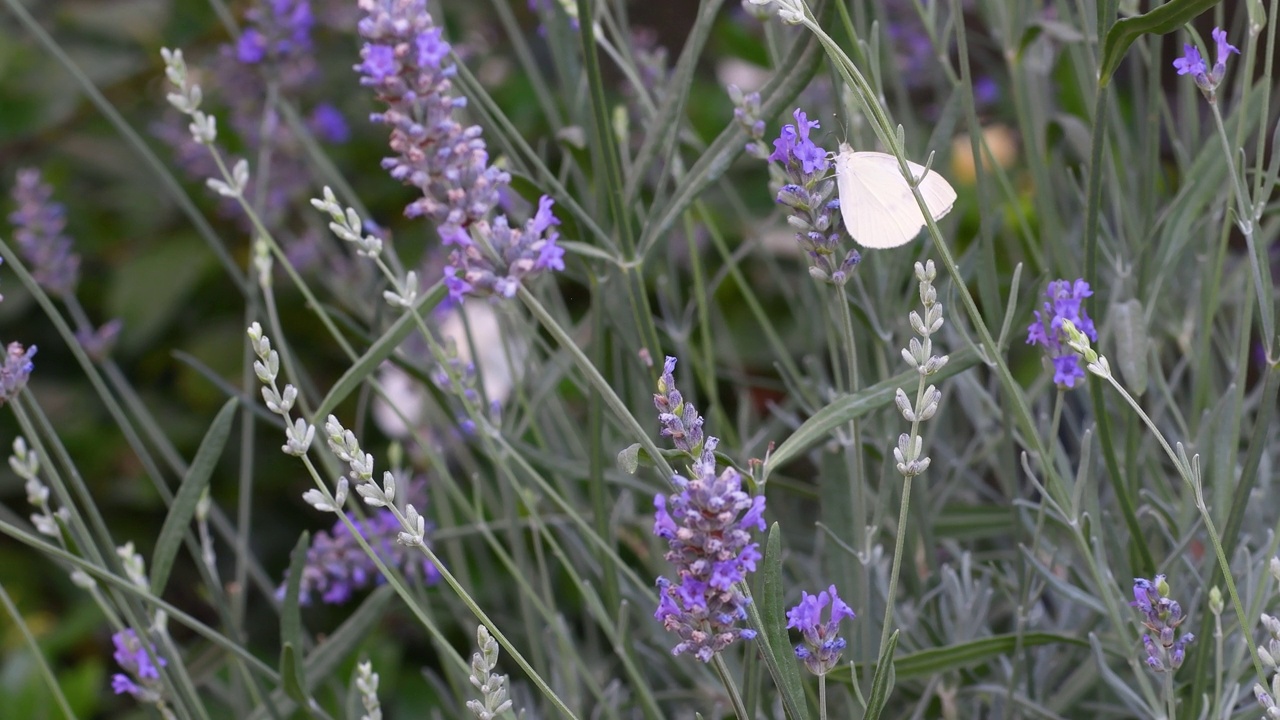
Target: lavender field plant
420, 358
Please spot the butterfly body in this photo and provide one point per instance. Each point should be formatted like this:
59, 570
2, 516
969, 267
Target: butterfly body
876, 202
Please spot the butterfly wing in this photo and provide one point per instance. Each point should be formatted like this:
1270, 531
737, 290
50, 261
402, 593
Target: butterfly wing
876, 202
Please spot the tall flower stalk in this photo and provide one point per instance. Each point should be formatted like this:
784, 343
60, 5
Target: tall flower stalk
405, 60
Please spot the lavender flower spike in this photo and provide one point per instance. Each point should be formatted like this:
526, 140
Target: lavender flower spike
707, 529
1191, 63
337, 566
1064, 303
140, 678
808, 193
15, 368
1161, 616
680, 420
822, 644
38, 225
406, 61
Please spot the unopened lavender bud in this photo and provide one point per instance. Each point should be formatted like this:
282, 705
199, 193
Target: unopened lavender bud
37, 492
204, 130
934, 318
1274, 567
134, 566
917, 323
931, 399
1216, 604
926, 272
298, 437
415, 528
83, 580
367, 684
904, 405
25, 462
934, 364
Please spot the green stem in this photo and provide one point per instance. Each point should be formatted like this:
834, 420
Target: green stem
1246, 221
735, 697
1191, 476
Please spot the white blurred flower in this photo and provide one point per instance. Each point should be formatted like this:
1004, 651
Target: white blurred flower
499, 360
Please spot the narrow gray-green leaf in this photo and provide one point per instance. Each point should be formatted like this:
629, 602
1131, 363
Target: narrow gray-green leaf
184, 503
839, 412
629, 459
379, 351
794, 74
325, 658
775, 645
882, 683
1164, 19
950, 658
1129, 324
664, 129
290, 612
290, 675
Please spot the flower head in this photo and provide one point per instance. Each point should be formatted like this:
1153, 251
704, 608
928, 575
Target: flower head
140, 678
405, 60
1063, 303
1193, 64
822, 644
38, 225
337, 566
1161, 616
795, 149
15, 369
707, 525
276, 29
680, 420
809, 194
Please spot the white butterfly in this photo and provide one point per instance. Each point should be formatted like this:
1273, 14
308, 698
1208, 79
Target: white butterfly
876, 201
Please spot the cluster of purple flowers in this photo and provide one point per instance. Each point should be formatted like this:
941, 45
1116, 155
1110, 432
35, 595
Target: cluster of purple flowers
275, 29
1191, 63
810, 195
680, 420
337, 566
38, 228
140, 677
707, 524
406, 62
15, 370
39, 225
1063, 303
1161, 616
274, 51
822, 644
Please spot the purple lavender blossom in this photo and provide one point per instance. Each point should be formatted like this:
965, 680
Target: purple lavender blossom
1161, 616
337, 566
141, 676
1224, 50
405, 61
275, 48
15, 370
1193, 64
680, 420
746, 112
707, 529
810, 195
275, 29
328, 123
1064, 303
822, 644
38, 225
